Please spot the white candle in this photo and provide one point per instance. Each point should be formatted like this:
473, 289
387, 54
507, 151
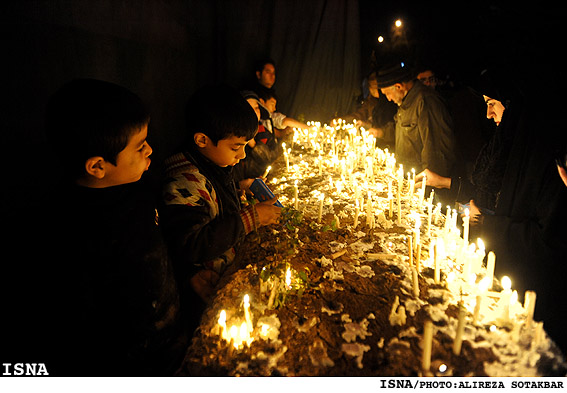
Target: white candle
416, 230
267, 171
490, 263
437, 275
320, 216
320, 166
466, 219
426, 344
476, 313
356, 213
418, 258
422, 195
460, 330
399, 208
429, 213
529, 306
296, 195
391, 207
222, 323
410, 250
505, 295
415, 282
247, 312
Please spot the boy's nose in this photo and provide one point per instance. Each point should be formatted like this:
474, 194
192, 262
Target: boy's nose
149, 150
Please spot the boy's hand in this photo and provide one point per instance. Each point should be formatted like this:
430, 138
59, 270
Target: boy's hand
203, 283
267, 212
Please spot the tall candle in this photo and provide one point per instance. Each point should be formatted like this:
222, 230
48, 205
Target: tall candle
320, 166
356, 213
247, 312
490, 263
460, 330
415, 282
426, 345
437, 273
416, 230
422, 195
267, 171
222, 323
529, 306
410, 250
505, 295
418, 258
466, 219
391, 207
399, 208
296, 195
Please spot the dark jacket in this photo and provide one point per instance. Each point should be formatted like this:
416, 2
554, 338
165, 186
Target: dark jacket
424, 134
112, 291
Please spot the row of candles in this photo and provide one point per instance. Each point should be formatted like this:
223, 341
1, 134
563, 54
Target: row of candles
448, 251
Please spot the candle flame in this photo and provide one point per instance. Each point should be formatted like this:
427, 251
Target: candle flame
467, 213
288, 278
484, 284
480, 244
246, 300
506, 283
222, 318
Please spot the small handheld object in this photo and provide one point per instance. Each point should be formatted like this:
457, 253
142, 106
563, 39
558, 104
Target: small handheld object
262, 192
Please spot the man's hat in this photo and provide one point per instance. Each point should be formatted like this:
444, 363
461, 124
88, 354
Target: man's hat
393, 72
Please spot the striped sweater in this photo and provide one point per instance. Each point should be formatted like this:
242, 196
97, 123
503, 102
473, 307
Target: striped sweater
202, 228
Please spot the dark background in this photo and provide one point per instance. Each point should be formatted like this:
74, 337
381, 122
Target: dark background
164, 50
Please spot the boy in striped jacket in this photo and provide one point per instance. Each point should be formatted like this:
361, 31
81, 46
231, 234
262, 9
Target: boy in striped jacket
202, 216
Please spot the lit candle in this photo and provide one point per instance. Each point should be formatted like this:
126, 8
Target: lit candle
429, 207
422, 195
320, 216
529, 306
426, 344
222, 323
288, 279
399, 208
247, 312
320, 166
296, 195
267, 171
460, 330
337, 221
490, 268
368, 208
448, 219
391, 207
466, 219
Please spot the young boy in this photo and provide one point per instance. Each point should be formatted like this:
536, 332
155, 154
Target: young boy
276, 122
111, 287
203, 218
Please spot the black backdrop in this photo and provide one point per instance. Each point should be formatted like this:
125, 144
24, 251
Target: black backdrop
164, 50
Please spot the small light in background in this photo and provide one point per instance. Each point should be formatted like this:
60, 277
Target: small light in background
398, 23
380, 38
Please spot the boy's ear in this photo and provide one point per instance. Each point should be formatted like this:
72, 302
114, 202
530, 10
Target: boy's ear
200, 139
258, 74
95, 166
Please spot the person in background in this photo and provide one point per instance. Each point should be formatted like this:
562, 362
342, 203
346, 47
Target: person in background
202, 216
423, 126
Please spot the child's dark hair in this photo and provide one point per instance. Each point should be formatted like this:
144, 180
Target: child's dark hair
260, 64
266, 94
87, 118
220, 112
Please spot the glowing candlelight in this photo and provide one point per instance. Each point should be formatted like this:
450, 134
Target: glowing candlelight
288, 278
466, 219
399, 208
490, 268
426, 344
356, 213
247, 312
410, 250
437, 274
222, 323
267, 171
416, 230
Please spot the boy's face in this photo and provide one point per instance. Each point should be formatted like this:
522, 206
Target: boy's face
254, 104
227, 152
270, 104
132, 162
